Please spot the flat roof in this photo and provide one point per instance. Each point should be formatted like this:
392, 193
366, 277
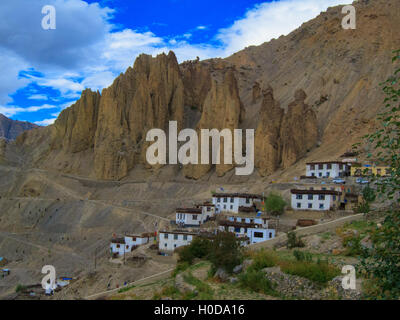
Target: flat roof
328, 192
326, 162
180, 232
228, 223
237, 195
118, 240
189, 210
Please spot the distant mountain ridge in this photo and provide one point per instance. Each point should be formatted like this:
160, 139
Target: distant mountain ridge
11, 129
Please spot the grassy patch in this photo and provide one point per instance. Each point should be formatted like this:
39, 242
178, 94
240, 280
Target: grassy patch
256, 281
204, 290
319, 272
125, 289
263, 259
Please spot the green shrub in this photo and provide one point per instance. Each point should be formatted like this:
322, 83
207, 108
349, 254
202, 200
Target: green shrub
302, 256
263, 259
198, 248
275, 204
20, 288
294, 241
255, 281
320, 272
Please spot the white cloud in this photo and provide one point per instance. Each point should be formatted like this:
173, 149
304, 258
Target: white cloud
10, 111
270, 20
45, 122
38, 97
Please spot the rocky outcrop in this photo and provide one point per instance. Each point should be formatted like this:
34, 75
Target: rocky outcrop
221, 110
75, 128
299, 132
147, 96
11, 129
267, 139
282, 138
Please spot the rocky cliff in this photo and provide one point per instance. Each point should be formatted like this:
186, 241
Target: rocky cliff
325, 78
10, 129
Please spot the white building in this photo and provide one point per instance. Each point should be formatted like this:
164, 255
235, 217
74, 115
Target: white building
330, 169
257, 220
121, 246
190, 217
234, 202
170, 240
250, 232
138, 240
315, 199
208, 210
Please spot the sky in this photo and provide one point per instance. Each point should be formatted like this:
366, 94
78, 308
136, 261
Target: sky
44, 71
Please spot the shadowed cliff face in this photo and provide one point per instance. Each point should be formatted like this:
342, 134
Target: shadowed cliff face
10, 129
326, 80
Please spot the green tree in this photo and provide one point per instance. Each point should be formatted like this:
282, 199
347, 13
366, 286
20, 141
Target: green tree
381, 263
226, 251
275, 204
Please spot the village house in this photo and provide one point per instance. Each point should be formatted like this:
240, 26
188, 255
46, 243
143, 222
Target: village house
208, 210
118, 247
190, 217
235, 202
370, 170
121, 246
251, 219
328, 169
249, 232
170, 240
315, 199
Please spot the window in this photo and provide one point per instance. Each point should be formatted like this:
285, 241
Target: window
225, 200
320, 166
231, 200
174, 245
310, 206
321, 197
127, 247
321, 206
323, 188
329, 166
328, 174
320, 174
298, 205
270, 235
185, 237
218, 199
175, 237
224, 207
310, 197
299, 196
313, 174
334, 198
312, 167
165, 245
247, 200
231, 207
258, 235
165, 235
195, 217
118, 246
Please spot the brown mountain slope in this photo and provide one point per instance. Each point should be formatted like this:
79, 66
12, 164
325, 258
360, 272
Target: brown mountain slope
338, 71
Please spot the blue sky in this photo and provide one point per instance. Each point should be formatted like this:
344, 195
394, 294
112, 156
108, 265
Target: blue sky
44, 71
